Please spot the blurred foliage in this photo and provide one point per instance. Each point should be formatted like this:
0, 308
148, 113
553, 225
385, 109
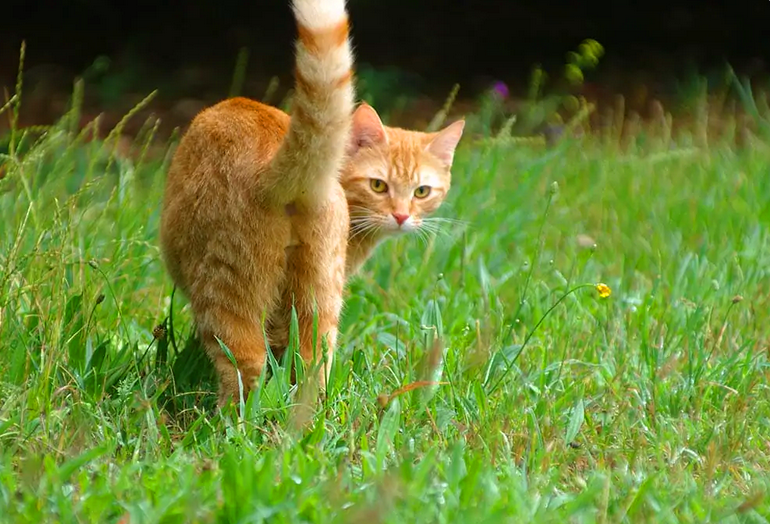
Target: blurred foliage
387, 87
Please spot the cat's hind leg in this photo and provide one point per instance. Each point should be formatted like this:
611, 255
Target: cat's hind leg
315, 279
236, 290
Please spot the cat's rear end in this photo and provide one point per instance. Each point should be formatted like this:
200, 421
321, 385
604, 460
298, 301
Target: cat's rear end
254, 218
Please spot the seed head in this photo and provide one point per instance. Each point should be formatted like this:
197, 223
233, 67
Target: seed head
159, 332
553, 188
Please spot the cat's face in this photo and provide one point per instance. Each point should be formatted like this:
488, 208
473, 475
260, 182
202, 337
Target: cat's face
396, 178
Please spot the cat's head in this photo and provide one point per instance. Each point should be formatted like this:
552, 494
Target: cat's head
395, 178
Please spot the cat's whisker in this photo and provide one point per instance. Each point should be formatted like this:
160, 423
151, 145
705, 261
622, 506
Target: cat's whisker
422, 236
450, 221
428, 236
357, 231
363, 229
368, 226
444, 219
363, 226
372, 230
432, 230
437, 225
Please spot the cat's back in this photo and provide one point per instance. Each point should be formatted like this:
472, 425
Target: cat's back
231, 136
226, 149
221, 156
235, 116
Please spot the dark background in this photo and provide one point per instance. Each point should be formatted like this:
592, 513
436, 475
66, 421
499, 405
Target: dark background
189, 48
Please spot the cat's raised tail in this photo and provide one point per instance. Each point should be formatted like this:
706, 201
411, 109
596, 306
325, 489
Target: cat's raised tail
311, 154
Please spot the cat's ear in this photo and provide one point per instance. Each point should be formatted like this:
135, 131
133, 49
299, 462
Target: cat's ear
445, 142
367, 131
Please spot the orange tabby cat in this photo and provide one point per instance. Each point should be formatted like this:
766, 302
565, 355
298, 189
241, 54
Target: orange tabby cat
393, 179
255, 216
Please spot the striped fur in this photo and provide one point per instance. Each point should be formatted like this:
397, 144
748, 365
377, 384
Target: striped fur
313, 148
264, 212
254, 218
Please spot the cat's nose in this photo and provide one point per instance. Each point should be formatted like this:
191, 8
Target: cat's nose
400, 218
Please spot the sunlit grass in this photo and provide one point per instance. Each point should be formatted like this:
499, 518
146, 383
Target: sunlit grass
459, 393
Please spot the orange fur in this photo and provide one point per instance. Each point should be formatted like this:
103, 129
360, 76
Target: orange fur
405, 161
262, 211
254, 219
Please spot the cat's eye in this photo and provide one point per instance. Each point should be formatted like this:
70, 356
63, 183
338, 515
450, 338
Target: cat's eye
377, 185
422, 191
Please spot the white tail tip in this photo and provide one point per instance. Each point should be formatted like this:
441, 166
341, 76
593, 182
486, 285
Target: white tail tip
319, 14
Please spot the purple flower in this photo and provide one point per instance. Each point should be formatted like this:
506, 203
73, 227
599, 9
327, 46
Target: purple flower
501, 89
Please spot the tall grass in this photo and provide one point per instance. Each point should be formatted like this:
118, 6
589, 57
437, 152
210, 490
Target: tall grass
458, 393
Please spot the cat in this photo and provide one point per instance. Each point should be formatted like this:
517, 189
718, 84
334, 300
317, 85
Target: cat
253, 212
255, 215
393, 180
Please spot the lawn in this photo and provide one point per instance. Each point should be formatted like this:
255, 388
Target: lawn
459, 393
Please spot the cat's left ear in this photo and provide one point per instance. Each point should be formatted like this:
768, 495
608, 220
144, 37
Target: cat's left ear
368, 131
445, 142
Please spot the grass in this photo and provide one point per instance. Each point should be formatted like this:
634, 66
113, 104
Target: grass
445, 404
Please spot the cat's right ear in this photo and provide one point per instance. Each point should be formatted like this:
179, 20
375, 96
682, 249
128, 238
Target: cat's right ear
367, 131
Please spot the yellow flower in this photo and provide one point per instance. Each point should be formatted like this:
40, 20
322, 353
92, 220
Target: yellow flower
604, 290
